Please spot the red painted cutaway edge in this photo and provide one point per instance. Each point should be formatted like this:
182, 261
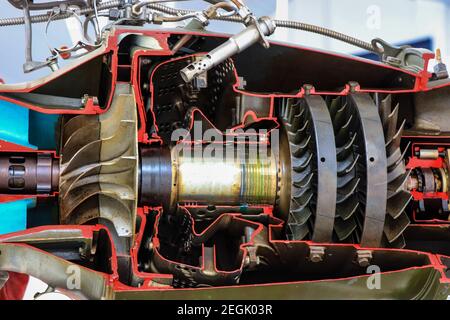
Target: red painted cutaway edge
421, 84
414, 163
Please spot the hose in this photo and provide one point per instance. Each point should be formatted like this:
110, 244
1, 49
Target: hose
280, 24
172, 11
145, 3
40, 18
325, 32
47, 5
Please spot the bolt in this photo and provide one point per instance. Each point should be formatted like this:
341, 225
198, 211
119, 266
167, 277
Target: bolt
364, 258
315, 257
150, 245
308, 88
316, 254
363, 262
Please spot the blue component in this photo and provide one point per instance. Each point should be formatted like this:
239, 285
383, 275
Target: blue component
42, 130
14, 124
13, 215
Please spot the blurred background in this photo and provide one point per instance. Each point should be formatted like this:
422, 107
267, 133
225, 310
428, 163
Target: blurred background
421, 23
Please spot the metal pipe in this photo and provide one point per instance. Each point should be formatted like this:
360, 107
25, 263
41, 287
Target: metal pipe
232, 46
185, 39
28, 33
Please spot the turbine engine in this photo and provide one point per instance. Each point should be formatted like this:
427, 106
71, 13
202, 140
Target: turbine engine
230, 175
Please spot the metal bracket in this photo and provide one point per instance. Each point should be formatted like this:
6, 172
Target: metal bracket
263, 39
29, 64
252, 260
404, 57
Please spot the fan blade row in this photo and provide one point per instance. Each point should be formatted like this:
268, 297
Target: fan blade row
369, 176
99, 166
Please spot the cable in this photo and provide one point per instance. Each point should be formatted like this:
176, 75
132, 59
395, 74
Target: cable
234, 18
28, 32
324, 31
48, 5
41, 18
177, 18
281, 24
208, 13
147, 2
96, 23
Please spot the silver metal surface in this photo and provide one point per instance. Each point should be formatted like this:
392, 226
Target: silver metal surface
232, 46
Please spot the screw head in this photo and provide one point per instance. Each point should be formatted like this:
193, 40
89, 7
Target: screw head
316, 257
364, 262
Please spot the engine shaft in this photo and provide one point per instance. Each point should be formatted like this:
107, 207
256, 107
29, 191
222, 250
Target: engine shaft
197, 179
28, 173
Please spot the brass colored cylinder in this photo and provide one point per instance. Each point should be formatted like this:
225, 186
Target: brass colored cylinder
210, 180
